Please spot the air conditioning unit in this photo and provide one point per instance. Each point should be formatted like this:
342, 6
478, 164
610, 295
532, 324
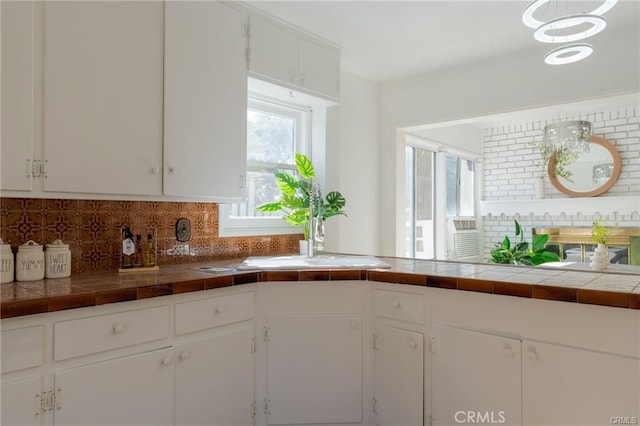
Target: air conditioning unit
464, 240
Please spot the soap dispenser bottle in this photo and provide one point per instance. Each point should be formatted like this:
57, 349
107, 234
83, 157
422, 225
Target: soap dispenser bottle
128, 248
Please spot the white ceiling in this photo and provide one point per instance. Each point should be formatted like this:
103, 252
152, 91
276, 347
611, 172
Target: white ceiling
386, 40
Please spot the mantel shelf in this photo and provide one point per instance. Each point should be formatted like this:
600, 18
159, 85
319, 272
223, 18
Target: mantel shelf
622, 205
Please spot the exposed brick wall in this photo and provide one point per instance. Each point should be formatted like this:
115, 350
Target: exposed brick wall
92, 228
511, 166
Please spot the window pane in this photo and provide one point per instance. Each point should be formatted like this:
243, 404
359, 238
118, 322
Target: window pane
261, 188
409, 201
452, 186
270, 137
466, 174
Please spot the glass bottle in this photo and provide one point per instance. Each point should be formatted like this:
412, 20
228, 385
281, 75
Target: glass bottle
150, 255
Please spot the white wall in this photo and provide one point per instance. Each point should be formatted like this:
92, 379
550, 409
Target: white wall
512, 83
352, 153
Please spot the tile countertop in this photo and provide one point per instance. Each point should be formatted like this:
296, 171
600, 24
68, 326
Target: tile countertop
89, 289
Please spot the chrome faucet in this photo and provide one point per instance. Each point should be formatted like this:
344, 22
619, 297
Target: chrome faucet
315, 197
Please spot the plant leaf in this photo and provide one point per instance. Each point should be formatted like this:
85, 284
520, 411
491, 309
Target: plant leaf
519, 230
305, 167
287, 183
539, 241
269, 207
506, 243
335, 200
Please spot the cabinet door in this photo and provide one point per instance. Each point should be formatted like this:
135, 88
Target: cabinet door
214, 380
274, 51
564, 385
314, 369
134, 390
205, 97
21, 402
398, 377
103, 97
17, 107
319, 68
475, 377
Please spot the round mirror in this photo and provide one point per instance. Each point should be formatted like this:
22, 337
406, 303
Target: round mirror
591, 174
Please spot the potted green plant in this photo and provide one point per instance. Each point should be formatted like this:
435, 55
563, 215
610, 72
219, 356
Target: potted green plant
522, 252
600, 237
293, 201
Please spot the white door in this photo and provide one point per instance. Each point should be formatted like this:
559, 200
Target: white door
134, 390
314, 369
475, 377
319, 68
21, 402
205, 111
570, 386
214, 379
17, 107
398, 377
103, 83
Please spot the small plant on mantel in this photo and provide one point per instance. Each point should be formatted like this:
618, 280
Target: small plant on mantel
599, 233
522, 252
564, 158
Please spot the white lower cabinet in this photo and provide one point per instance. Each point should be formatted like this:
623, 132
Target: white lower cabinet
133, 390
475, 377
571, 386
314, 369
398, 376
23, 402
214, 379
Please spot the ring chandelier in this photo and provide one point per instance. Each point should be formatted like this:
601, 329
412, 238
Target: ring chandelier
567, 29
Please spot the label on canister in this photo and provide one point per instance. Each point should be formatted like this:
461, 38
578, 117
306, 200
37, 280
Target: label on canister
30, 262
58, 260
6, 263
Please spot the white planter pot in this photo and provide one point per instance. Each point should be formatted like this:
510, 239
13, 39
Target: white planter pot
600, 258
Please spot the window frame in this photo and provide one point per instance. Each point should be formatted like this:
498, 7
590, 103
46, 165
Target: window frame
235, 226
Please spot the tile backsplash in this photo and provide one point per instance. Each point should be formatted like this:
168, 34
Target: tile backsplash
92, 228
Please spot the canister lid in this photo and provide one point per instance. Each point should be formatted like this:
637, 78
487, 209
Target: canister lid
30, 245
57, 244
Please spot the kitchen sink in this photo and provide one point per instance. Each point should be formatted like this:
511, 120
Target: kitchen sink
317, 262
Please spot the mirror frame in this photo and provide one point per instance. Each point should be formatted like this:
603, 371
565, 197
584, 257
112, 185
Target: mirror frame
617, 167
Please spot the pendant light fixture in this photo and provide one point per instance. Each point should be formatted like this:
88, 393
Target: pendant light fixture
566, 29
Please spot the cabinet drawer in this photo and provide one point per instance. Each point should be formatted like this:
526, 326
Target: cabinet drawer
96, 334
214, 312
22, 348
399, 306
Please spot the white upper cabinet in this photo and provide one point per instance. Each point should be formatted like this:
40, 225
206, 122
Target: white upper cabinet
103, 83
205, 99
18, 20
284, 56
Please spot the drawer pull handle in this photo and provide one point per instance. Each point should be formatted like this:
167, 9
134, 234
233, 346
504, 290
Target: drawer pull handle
185, 355
166, 360
395, 304
220, 309
119, 328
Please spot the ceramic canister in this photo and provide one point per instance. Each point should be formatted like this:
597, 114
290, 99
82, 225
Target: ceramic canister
30, 262
58, 260
6, 263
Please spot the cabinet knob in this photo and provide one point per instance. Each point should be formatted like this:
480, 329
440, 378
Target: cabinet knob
532, 355
119, 328
354, 324
220, 309
166, 360
395, 304
413, 343
507, 352
185, 355
155, 170
172, 169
